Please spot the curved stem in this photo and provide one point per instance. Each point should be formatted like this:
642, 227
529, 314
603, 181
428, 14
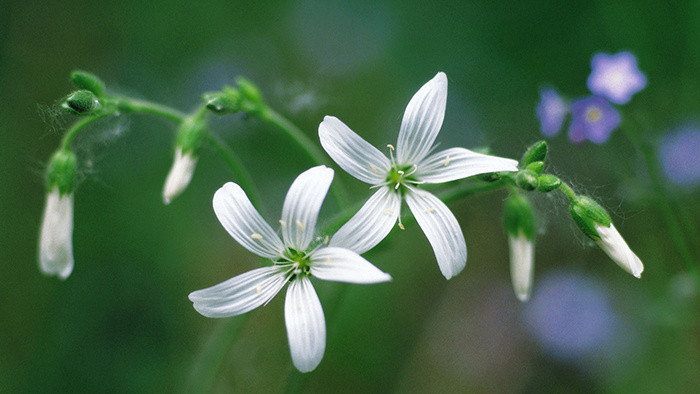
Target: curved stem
79, 125
126, 104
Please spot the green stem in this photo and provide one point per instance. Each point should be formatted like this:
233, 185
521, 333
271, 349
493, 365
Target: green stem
315, 154
662, 199
79, 125
239, 172
126, 104
568, 191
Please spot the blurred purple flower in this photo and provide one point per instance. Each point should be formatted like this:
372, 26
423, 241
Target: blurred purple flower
570, 316
679, 153
616, 77
594, 118
551, 111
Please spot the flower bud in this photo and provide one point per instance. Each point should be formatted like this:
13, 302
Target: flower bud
520, 227
225, 102
595, 223
81, 102
527, 180
535, 166
87, 81
249, 91
189, 140
61, 172
548, 182
536, 152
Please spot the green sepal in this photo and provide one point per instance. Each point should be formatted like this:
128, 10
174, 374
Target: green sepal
526, 180
548, 182
535, 166
584, 222
535, 152
190, 135
81, 102
519, 217
593, 210
249, 91
88, 81
61, 171
227, 101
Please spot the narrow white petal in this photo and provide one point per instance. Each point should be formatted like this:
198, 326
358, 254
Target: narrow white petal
241, 293
522, 256
615, 246
179, 176
302, 205
352, 153
244, 223
422, 120
442, 230
343, 265
457, 163
306, 326
55, 240
371, 224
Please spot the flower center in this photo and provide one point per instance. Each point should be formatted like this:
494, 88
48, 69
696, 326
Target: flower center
399, 176
299, 260
593, 114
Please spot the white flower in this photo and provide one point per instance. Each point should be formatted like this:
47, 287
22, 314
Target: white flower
296, 257
398, 176
179, 176
614, 246
522, 255
55, 241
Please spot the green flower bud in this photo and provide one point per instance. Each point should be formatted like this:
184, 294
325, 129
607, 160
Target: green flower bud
527, 180
548, 183
535, 166
81, 102
249, 91
224, 102
87, 81
586, 214
61, 171
519, 217
190, 135
536, 152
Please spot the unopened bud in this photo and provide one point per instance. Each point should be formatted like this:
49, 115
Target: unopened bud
225, 102
190, 135
536, 152
519, 217
548, 182
527, 180
81, 102
249, 91
61, 172
588, 216
535, 166
87, 81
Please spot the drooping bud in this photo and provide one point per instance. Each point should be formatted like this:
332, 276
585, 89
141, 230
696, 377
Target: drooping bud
224, 102
88, 81
535, 152
519, 221
527, 180
61, 172
81, 102
189, 140
595, 223
548, 182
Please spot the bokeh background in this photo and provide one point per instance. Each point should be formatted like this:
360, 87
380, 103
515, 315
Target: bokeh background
122, 320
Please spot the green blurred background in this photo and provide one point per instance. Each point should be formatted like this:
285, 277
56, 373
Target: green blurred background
122, 320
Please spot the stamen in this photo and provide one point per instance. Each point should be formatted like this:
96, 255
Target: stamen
258, 289
447, 160
283, 224
396, 187
256, 236
326, 239
401, 224
388, 211
400, 172
390, 146
413, 169
373, 168
430, 210
300, 225
328, 260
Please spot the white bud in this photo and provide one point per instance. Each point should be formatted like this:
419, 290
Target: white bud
179, 176
522, 256
55, 240
614, 246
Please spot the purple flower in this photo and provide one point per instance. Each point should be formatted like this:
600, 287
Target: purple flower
551, 111
679, 153
593, 118
616, 77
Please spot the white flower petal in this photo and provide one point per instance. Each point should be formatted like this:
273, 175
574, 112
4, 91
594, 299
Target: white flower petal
306, 326
244, 223
55, 240
343, 265
442, 230
457, 163
351, 152
615, 246
241, 293
179, 176
302, 205
371, 224
422, 121
522, 256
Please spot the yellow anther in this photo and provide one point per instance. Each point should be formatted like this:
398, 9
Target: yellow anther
328, 260
401, 226
390, 146
430, 210
326, 239
388, 211
283, 224
300, 225
373, 168
256, 236
447, 160
258, 289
